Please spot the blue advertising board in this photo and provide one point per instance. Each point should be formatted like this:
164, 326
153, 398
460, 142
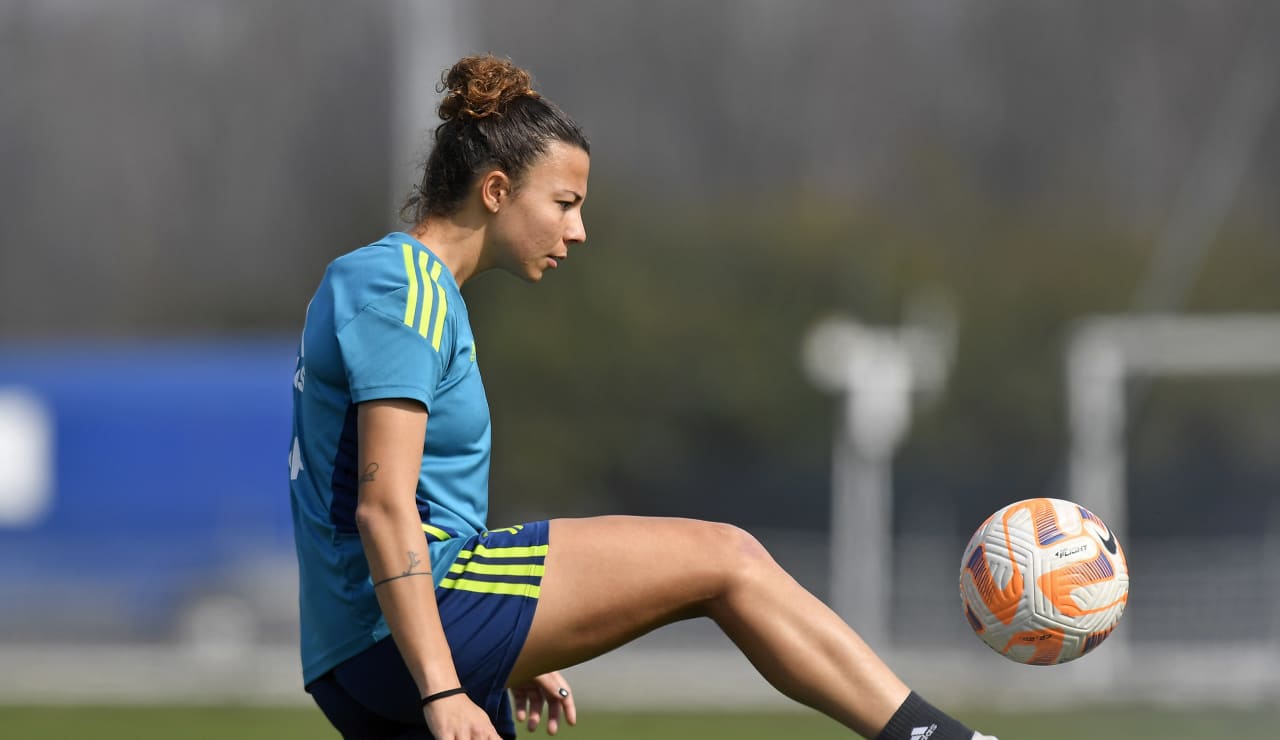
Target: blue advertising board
136, 477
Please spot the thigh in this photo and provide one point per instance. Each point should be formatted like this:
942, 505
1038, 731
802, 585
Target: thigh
609, 580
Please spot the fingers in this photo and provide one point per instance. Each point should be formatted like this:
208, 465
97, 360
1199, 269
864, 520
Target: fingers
547, 693
535, 714
568, 708
528, 706
553, 716
562, 701
519, 701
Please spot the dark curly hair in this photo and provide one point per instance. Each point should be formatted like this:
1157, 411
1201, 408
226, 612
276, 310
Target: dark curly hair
492, 119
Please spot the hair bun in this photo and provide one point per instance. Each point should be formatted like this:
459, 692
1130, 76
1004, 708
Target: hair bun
482, 86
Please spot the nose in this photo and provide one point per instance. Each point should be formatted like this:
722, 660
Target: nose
577, 231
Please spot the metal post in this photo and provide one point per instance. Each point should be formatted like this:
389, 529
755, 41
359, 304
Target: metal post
427, 38
877, 371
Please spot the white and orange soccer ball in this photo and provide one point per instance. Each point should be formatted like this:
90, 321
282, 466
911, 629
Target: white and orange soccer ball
1043, 581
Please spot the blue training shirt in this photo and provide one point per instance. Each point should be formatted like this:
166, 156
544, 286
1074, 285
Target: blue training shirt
387, 321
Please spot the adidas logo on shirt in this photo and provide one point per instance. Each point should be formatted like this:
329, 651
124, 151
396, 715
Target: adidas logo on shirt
922, 733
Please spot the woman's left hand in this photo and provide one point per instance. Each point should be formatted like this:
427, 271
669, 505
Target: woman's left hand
550, 689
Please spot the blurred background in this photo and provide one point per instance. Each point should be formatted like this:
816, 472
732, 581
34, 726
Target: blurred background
968, 197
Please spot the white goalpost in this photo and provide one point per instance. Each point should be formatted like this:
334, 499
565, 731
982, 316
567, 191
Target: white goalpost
1103, 354
878, 372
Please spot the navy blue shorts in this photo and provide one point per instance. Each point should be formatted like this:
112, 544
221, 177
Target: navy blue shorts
486, 605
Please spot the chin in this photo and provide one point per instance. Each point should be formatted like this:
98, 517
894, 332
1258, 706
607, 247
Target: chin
525, 273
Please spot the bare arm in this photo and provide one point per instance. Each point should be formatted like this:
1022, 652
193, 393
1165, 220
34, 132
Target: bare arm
390, 437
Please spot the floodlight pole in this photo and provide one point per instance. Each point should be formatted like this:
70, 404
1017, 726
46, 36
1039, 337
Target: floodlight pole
877, 371
876, 414
426, 39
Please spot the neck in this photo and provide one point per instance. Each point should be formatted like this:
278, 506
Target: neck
458, 241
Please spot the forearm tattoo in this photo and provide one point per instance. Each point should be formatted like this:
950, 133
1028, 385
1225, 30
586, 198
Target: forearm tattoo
370, 473
414, 561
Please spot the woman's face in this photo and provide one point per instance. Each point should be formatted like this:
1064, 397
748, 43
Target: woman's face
535, 225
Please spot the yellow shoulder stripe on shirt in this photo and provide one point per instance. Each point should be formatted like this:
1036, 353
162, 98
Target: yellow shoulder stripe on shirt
427, 273
411, 305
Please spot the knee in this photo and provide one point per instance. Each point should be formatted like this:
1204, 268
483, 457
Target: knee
743, 558
746, 544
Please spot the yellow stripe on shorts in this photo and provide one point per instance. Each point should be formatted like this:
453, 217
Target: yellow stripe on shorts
531, 551
487, 587
436, 532
494, 553
469, 573
490, 569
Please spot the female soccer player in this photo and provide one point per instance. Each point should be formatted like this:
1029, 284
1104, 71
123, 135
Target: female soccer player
416, 618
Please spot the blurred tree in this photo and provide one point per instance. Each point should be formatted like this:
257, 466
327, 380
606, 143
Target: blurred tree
190, 168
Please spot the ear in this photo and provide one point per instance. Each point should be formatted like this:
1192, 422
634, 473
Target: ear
495, 189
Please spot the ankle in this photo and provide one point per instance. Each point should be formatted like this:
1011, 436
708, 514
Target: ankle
917, 719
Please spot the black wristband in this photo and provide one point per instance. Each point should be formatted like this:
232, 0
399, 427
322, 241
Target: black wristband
442, 694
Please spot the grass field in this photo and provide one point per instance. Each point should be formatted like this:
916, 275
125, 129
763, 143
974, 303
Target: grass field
244, 723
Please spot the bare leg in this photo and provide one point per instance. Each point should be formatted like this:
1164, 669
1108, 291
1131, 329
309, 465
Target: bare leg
611, 579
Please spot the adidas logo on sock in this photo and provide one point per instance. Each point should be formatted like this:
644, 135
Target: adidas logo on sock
922, 733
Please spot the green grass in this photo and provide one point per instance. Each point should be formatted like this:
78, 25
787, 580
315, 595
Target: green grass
245, 723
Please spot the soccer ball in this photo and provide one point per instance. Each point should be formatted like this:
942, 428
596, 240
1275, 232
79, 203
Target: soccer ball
1043, 581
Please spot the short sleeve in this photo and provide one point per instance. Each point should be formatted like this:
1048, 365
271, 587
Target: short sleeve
387, 358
